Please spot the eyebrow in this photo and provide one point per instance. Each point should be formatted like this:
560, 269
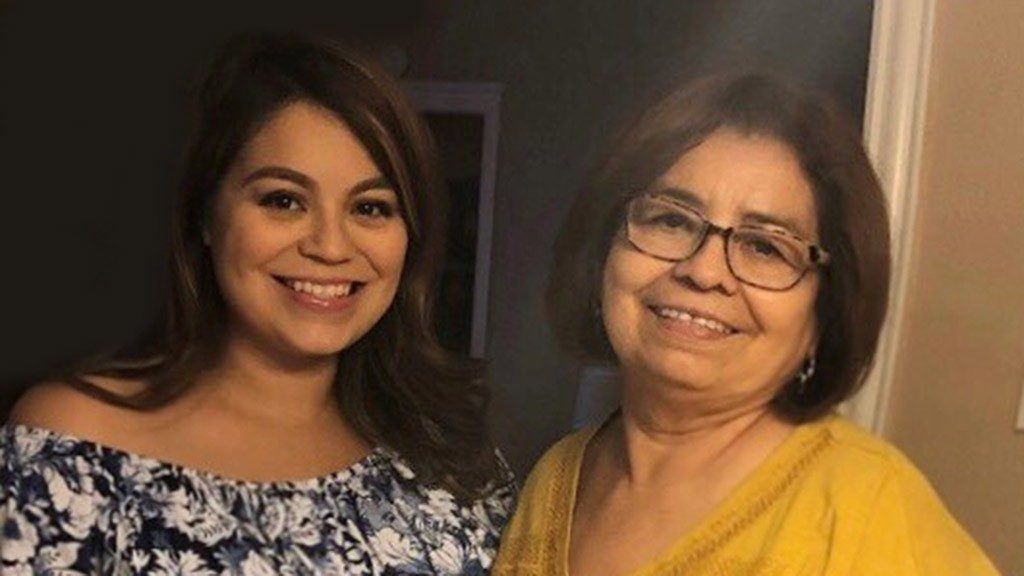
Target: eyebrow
681, 196
787, 224
372, 183
279, 173
690, 199
296, 177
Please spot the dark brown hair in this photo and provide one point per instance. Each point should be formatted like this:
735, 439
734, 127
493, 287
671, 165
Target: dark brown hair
396, 385
851, 213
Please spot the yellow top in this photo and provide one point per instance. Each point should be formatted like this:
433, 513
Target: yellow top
831, 500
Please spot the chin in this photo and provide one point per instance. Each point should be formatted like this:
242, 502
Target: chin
324, 349
321, 346
688, 372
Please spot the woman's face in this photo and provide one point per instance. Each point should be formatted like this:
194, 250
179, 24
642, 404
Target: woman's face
735, 344
306, 237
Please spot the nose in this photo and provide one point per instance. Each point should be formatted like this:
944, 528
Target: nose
708, 268
327, 241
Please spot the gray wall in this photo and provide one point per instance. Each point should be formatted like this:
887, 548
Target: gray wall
572, 69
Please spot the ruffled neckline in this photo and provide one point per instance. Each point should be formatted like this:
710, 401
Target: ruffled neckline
70, 444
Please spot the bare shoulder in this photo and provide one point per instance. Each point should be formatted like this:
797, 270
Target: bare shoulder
63, 408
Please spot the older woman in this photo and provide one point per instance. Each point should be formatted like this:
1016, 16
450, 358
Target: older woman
296, 414
732, 255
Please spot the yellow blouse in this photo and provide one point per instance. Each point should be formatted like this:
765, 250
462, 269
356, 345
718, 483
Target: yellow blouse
831, 500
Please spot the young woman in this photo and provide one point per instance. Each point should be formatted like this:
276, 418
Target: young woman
295, 414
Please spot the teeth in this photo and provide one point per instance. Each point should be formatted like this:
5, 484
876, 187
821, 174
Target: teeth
338, 290
700, 321
321, 290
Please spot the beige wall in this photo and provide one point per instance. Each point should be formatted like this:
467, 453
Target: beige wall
961, 365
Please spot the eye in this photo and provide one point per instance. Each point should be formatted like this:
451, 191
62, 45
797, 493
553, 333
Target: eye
662, 217
763, 247
675, 220
374, 209
281, 200
671, 222
768, 247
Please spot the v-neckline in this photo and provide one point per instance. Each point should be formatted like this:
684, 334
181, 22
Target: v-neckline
751, 497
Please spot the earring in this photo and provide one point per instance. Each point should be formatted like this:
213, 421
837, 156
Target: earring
805, 374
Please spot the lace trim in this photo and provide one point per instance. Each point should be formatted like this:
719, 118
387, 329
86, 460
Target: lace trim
538, 554
715, 535
544, 556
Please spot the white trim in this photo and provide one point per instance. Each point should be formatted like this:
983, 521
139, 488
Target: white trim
483, 99
893, 128
1020, 411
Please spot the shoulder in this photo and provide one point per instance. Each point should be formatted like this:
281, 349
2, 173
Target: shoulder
544, 508
898, 518
560, 462
891, 482
856, 504
850, 472
53, 436
552, 479
865, 465
854, 470
855, 457
56, 493
61, 407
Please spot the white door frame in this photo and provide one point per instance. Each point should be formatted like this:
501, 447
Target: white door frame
483, 99
901, 40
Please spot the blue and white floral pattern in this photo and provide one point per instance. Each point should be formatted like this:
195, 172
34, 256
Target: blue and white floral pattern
70, 507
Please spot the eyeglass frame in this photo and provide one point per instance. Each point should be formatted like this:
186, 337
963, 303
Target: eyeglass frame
816, 254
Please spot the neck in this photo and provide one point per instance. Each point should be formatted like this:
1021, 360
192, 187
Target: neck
253, 384
665, 436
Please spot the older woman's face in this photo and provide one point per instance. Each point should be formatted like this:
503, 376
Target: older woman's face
692, 324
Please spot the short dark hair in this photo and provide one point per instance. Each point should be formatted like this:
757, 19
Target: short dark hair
396, 385
851, 213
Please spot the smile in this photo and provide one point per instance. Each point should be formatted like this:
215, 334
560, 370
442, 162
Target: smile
691, 317
321, 291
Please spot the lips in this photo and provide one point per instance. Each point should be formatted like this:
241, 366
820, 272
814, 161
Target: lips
326, 290
695, 317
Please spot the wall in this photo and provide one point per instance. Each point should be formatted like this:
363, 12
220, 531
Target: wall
961, 364
572, 69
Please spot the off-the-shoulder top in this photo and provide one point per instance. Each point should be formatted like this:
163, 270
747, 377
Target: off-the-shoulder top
71, 506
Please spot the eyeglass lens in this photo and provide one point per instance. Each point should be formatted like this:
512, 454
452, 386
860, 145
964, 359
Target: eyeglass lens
755, 256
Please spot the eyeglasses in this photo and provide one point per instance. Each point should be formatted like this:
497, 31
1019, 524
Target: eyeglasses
761, 257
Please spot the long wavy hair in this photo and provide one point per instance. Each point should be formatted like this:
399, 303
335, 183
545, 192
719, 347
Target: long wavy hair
396, 385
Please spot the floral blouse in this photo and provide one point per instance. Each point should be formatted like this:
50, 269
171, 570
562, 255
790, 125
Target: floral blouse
69, 507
